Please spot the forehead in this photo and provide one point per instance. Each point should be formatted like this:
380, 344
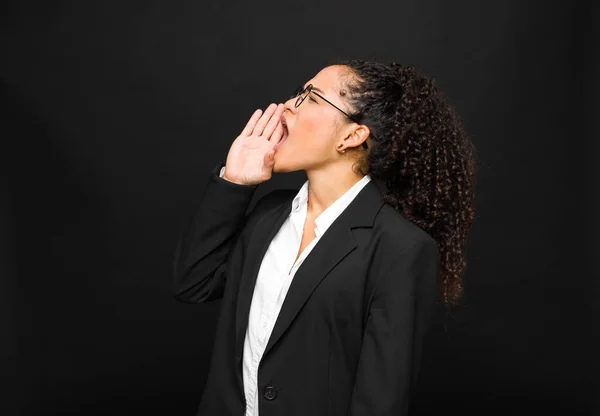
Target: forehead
327, 80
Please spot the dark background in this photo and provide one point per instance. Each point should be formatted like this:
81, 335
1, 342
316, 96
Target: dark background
113, 114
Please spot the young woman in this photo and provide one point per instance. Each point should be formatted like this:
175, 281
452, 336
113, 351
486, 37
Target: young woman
327, 291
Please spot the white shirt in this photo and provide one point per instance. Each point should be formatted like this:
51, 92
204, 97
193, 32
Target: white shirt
274, 279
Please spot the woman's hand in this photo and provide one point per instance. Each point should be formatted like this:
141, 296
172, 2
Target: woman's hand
252, 155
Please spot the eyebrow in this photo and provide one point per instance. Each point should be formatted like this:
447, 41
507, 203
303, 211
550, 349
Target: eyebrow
317, 89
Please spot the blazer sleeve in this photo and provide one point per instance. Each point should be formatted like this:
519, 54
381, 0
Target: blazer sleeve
399, 314
202, 250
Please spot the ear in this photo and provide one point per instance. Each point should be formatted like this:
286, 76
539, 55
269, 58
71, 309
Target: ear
358, 135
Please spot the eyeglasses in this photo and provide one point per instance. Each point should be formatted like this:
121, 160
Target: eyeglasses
302, 93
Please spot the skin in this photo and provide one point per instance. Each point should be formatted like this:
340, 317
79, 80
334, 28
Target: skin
315, 129
313, 141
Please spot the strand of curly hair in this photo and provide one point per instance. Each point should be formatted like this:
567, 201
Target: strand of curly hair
421, 151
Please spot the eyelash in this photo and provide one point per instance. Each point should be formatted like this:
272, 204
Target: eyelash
312, 99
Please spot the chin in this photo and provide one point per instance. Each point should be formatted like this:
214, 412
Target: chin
281, 165
280, 168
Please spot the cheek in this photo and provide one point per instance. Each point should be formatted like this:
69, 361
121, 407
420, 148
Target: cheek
314, 130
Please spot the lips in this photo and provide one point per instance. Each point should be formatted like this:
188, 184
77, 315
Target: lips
283, 138
285, 130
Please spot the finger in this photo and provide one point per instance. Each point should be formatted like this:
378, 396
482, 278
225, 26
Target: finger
277, 133
262, 122
274, 121
251, 123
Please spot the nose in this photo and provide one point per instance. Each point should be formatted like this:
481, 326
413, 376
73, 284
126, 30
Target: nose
290, 105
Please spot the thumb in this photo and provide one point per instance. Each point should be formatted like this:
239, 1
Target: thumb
270, 158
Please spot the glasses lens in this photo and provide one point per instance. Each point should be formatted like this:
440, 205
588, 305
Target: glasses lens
298, 91
304, 93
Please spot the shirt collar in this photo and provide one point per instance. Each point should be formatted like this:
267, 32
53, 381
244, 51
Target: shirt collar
326, 218
301, 197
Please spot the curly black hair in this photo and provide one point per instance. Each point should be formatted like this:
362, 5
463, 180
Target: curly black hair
419, 149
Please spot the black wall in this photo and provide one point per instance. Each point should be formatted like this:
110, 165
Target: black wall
113, 113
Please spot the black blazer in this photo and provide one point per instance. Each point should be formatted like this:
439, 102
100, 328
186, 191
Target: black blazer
348, 338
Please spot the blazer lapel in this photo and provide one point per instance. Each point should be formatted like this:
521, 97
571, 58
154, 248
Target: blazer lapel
264, 231
333, 246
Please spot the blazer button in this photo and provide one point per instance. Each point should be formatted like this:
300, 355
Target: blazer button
270, 393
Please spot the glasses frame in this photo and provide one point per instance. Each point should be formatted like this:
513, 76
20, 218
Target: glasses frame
300, 93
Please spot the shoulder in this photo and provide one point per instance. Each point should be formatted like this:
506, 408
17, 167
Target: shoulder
274, 198
398, 233
270, 201
406, 258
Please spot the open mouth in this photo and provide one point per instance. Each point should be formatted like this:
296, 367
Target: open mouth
283, 138
285, 133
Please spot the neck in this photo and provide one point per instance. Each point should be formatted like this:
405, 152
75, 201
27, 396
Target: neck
326, 185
